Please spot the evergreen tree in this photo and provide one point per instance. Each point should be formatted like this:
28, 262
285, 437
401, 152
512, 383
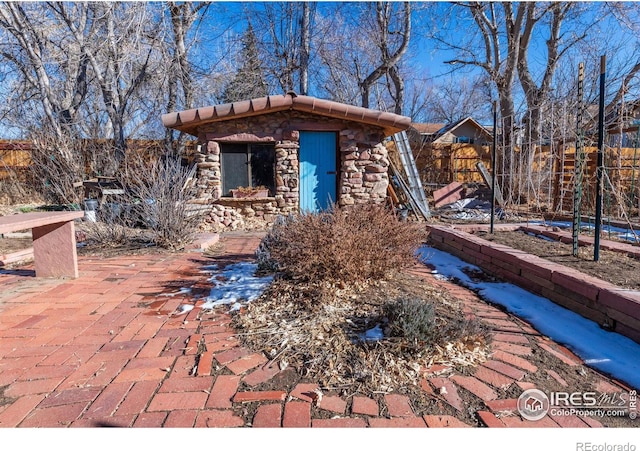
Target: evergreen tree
248, 82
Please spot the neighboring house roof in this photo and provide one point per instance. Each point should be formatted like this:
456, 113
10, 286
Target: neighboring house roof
452, 127
437, 130
188, 121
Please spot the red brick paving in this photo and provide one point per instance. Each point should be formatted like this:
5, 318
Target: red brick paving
305, 392
515, 361
297, 414
224, 388
181, 419
178, 401
260, 375
218, 419
444, 421
333, 404
205, 363
475, 386
102, 350
557, 377
246, 363
251, 396
501, 405
398, 405
339, 423
403, 422
490, 420
560, 355
503, 368
268, 416
365, 406
447, 390
493, 378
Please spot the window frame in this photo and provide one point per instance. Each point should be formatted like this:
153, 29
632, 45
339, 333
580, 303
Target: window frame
225, 147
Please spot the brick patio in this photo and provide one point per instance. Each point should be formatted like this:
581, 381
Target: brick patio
104, 350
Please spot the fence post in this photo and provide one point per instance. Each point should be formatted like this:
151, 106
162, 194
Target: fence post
579, 161
493, 165
600, 161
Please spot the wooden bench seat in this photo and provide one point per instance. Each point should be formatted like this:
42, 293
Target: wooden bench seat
54, 240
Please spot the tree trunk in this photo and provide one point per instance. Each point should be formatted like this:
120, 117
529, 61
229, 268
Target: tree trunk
388, 58
305, 36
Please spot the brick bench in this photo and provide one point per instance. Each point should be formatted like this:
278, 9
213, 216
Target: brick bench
54, 241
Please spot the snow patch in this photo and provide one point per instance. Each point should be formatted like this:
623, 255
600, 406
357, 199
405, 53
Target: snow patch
374, 334
609, 352
235, 286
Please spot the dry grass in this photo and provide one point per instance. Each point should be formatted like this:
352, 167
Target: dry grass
111, 234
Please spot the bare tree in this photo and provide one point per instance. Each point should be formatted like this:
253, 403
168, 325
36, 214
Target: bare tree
453, 99
558, 43
305, 43
122, 58
340, 51
50, 72
493, 47
50, 81
391, 36
278, 28
179, 81
499, 44
359, 50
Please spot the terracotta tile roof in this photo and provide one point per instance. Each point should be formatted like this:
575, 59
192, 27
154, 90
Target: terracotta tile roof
188, 121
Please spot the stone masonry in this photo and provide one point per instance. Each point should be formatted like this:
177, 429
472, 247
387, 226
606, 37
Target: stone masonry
362, 163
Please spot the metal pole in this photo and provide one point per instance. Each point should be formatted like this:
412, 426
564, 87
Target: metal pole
493, 165
579, 157
632, 194
600, 161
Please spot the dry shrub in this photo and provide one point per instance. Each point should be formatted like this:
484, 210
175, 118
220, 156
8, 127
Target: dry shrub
57, 164
161, 196
418, 323
109, 234
343, 246
413, 319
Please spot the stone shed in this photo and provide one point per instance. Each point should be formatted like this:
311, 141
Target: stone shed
305, 153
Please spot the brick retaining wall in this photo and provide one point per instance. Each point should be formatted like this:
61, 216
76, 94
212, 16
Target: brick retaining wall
610, 306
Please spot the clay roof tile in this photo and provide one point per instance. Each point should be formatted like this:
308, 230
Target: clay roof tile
259, 104
188, 115
241, 107
224, 109
207, 112
189, 120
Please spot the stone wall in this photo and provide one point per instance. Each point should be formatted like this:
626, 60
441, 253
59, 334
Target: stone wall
363, 173
362, 164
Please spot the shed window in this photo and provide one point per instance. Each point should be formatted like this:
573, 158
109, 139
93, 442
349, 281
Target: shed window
247, 165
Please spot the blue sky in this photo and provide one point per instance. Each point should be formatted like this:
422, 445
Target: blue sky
425, 58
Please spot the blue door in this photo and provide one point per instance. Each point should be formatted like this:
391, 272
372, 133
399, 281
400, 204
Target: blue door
317, 170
